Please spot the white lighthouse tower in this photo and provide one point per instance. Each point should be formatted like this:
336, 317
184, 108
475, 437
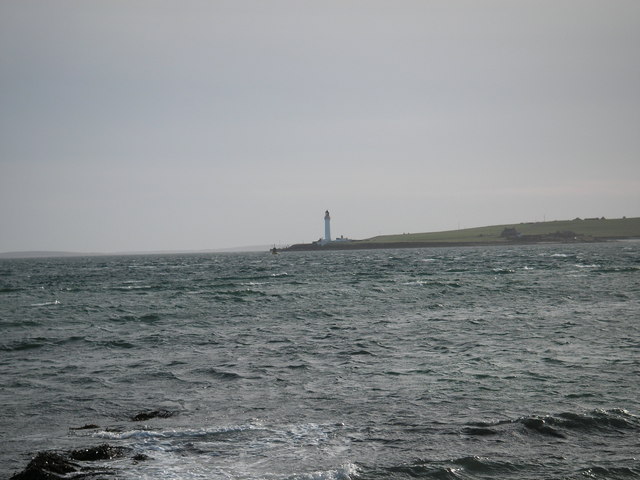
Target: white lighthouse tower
327, 227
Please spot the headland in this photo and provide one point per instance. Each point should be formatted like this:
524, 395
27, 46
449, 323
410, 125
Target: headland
559, 231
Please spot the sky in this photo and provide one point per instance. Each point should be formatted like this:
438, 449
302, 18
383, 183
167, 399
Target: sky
146, 125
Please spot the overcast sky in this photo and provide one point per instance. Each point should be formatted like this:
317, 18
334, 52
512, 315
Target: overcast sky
157, 125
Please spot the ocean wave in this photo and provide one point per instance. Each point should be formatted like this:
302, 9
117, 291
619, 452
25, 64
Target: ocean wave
625, 269
595, 422
432, 283
598, 420
541, 425
9, 289
245, 292
222, 375
457, 468
503, 271
562, 425
26, 344
116, 344
611, 472
126, 288
144, 318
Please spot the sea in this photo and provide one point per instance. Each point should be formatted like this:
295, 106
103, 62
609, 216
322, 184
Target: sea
497, 362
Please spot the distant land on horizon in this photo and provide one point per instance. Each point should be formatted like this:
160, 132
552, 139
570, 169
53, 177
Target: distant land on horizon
555, 231
53, 254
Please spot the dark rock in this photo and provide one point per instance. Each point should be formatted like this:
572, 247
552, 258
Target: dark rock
101, 452
141, 457
58, 466
143, 416
88, 426
35, 474
114, 429
46, 466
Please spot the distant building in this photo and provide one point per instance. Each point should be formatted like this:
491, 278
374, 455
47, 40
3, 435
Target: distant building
510, 233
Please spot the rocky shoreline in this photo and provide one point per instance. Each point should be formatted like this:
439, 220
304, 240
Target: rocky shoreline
79, 463
52, 465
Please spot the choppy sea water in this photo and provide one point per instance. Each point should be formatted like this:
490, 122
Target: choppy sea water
450, 363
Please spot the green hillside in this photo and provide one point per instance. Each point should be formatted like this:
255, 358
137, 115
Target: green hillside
588, 229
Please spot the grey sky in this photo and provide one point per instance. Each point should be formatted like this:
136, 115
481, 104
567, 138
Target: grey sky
154, 125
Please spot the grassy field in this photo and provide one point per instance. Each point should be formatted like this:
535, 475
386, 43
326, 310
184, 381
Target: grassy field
591, 228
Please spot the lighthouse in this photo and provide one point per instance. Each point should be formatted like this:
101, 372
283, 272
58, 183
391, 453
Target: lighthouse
327, 227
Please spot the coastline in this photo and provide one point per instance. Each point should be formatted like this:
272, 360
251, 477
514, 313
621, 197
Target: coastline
361, 245
590, 230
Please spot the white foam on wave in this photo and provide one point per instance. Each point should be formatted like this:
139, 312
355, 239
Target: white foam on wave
46, 304
171, 466
307, 433
419, 283
133, 287
175, 467
345, 472
227, 452
296, 433
176, 434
